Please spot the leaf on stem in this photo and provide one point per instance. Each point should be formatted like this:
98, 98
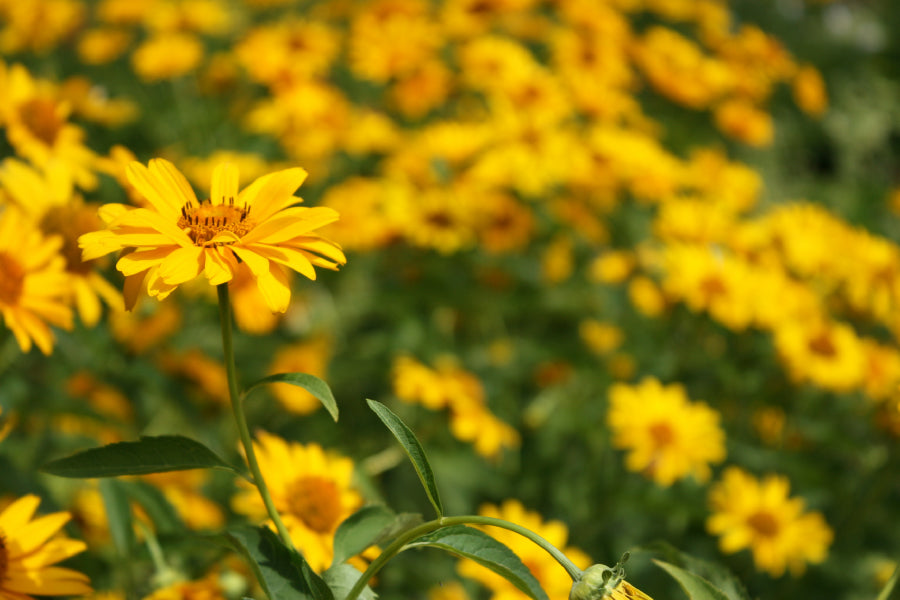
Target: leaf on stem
310, 383
413, 450
368, 526
474, 544
164, 516
696, 587
146, 455
340, 578
716, 574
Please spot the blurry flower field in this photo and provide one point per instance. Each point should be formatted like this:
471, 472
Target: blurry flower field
630, 269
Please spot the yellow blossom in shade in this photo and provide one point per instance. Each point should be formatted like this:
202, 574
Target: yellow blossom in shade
809, 91
557, 260
310, 357
745, 122
646, 296
167, 56
34, 287
179, 238
826, 353
471, 421
312, 490
667, 436
102, 45
207, 588
754, 514
91, 102
208, 374
613, 266
361, 204
599, 336
552, 577
251, 314
30, 549
145, 328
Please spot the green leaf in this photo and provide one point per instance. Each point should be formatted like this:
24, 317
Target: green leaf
340, 578
118, 515
360, 530
718, 575
413, 450
154, 503
475, 544
889, 586
146, 455
696, 587
271, 562
310, 383
317, 585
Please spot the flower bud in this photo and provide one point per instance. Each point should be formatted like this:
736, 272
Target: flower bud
599, 582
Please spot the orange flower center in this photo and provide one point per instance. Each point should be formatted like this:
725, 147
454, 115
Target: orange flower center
823, 345
205, 221
42, 119
4, 557
70, 222
12, 280
764, 523
315, 501
661, 434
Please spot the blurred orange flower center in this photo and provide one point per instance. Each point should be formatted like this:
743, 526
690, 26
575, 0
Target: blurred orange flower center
12, 279
662, 434
4, 556
823, 345
42, 119
764, 524
315, 501
205, 221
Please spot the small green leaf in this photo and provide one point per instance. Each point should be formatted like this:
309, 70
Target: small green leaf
360, 530
310, 383
118, 515
485, 550
718, 575
340, 578
889, 586
413, 450
696, 587
271, 563
316, 584
141, 457
154, 503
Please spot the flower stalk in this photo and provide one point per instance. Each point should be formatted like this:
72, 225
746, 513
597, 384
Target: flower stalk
415, 533
237, 407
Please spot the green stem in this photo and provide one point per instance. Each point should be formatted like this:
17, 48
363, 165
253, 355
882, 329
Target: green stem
398, 544
237, 406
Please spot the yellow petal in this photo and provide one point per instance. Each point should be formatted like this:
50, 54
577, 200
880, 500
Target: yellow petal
98, 243
131, 289
158, 193
86, 302
141, 260
52, 552
218, 269
18, 513
288, 257
31, 536
291, 223
182, 264
275, 289
49, 581
273, 192
224, 183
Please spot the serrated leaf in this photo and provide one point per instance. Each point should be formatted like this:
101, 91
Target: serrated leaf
360, 530
341, 578
310, 383
157, 507
141, 457
696, 587
413, 450
474, 544
118, 515
271, 563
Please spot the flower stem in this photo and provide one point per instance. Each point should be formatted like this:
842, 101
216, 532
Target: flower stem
237, 407
398, 544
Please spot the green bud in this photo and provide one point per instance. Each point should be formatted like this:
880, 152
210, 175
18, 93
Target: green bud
598, 581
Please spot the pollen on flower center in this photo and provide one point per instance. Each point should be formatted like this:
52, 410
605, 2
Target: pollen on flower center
661, 434
764, 523
206, 220
823, 345
41, 118
315, 501
12, 279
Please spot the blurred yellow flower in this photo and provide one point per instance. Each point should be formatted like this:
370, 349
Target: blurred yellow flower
207, 588
646, 296
599, 336
312, 490
30, 549
179, 238
311, 357
102, 45
759, 515
166, 56
825, 353
35, 289
745, 122
809, 91
550, 574
667, 436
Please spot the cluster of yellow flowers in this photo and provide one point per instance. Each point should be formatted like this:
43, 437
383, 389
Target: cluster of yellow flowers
451, 387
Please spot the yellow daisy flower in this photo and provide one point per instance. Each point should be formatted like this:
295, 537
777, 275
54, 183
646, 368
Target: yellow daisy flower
311, 488
759, 515
29, 551
177, 238
667, 436
34, 286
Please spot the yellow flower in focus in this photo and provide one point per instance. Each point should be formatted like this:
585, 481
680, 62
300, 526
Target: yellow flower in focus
549, 573
305, 357
312, 490
179, 238
167, 56
30, 549
758, 515
809, 91
667, 436
34, 286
